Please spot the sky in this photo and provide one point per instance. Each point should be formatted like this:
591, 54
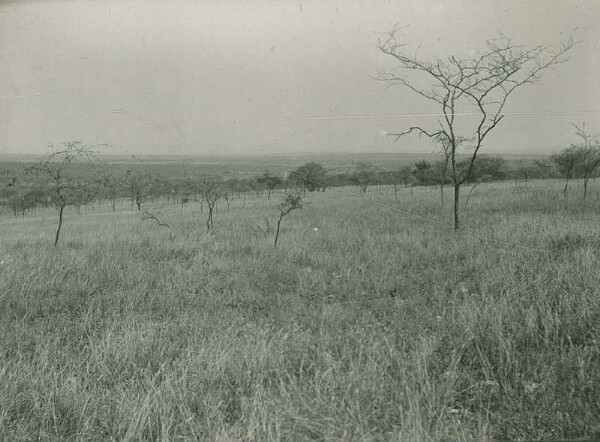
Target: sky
244, 77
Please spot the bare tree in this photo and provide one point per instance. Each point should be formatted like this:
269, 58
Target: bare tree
112, 188
139, 186
66, 186
227, 196
395, 178
363, 175
566, 163
588, 155
440, 176
478, 86
526, 171
544, 167
291, 201
211, 192
441, 168
269, 182
83, 196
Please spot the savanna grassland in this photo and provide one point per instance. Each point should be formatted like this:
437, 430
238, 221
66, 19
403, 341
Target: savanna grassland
364, 323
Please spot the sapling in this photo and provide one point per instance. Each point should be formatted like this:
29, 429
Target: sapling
65, 185
291, 201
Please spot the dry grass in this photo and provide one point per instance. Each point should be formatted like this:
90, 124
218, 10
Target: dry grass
376, 325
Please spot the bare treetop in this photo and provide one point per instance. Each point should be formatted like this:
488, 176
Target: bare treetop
70, 151
589, 139
477, 86
66, 186
483, 82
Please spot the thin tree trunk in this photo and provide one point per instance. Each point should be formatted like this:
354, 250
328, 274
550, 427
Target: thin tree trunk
209, 222
60, 221
470, 192
456, 207
277, 231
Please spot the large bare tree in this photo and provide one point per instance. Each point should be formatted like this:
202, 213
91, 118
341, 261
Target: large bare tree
470, 92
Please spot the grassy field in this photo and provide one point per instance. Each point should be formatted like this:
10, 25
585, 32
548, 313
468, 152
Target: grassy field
364, 323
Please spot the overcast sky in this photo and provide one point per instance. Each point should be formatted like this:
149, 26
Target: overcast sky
263, 76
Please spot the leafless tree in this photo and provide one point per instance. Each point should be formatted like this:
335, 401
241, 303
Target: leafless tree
363, 175
544, 167
442, 167
112, 188
566, 163
291, 201
83, 196
227, 196
269, 182
65, 184
526, 171
588, 155
139, 186
396, 178
211, 192
478, 86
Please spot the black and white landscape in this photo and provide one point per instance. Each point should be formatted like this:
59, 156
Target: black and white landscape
300, 220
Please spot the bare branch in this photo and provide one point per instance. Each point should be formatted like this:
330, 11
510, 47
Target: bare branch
418, 129
154, 217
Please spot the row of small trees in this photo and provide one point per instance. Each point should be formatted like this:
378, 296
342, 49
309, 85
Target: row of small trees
60, 186
63, 188
581, 160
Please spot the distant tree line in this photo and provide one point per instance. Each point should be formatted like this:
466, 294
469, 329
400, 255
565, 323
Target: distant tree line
27, 194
